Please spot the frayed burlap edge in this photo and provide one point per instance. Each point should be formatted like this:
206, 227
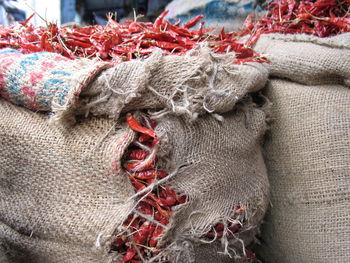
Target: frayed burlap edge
64, 114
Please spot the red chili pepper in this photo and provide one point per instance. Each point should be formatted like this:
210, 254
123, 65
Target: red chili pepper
219, 227
252, 40
161, 219
164, 36
155, 236
136, 154
234, 228
145, 208
194, 21
341, 22
25, 22
135, 27
248, 23
136, 126
179, 30
168, 201
145, 51
141, 236
78, 43
150, 174
159, 21
155, 204
150, 181
137, 184
130, 253
304, 16
168, 45
144, 138
181, 199
152, 228
132, 167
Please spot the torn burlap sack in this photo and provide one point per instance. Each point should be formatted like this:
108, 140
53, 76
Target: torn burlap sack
197, 83
223, 168
191, 85
63, 194
308, 150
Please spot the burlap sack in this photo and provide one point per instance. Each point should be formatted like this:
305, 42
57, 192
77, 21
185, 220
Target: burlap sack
307, 59
62, 201
4, 253
307, 149
198, 83
191, 85
224, 168
308, 161
45, 81
64, 194
61, 197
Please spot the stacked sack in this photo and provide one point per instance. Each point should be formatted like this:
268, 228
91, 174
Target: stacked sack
307, 149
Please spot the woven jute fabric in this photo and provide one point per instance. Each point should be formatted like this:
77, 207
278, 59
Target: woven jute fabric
222, 167
62, 191
3, 253
307, 59
45, 81
308, 160
307, 150
198, 83
63, 195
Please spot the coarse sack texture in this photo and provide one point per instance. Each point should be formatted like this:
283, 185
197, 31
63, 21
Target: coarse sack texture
63, 192
62, 199
307, 59
308, 160
223, 168
199, 82
307, 150
3, 253
45, 81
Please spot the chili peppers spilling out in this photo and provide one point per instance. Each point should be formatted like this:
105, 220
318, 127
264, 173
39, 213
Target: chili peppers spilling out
141, 231
218, 231
117, 42
145, 226
323, 18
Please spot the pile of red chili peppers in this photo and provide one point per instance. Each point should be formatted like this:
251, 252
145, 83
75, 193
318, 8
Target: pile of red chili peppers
143, 227
323, 18
117, 42
122, 42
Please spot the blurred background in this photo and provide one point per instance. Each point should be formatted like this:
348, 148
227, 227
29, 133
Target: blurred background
227, 13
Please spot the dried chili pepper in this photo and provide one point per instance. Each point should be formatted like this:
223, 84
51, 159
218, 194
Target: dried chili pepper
194, 21
150, 174
144, 236
322, 18
136, 126
113, 42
